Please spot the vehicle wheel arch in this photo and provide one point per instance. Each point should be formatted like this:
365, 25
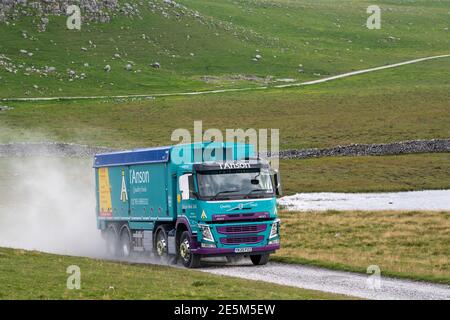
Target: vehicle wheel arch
123, 228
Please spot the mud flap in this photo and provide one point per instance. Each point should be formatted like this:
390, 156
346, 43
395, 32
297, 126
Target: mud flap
147, 241
171, 242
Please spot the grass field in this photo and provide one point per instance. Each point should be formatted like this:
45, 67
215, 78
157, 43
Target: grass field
36, 275
219, 39
325, 37
367, 174
411, 102
413, 245
343, 112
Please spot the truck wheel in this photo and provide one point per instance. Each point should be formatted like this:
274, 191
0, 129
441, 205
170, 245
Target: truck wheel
111, 242
161, 244
125, 244
188, 259
259, 259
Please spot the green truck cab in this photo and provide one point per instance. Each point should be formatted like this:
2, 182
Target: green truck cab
188, 201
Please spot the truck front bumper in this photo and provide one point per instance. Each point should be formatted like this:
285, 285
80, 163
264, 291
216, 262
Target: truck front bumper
231, 251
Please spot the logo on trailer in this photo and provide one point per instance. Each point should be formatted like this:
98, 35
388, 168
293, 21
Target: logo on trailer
123, 191
138, 177
203, 215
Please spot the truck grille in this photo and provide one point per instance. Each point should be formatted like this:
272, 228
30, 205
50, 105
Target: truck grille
241, 240
249, 228
240, 216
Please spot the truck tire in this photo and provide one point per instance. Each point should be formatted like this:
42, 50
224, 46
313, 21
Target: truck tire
188, 259
125, 243
259, 259
161, 244
112, 242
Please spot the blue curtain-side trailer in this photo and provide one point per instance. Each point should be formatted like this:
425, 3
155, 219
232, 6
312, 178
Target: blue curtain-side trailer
215, 204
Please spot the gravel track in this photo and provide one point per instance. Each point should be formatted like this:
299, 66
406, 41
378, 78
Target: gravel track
194, 93
347, 283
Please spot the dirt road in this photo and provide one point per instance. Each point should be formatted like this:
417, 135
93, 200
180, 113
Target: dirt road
348, 283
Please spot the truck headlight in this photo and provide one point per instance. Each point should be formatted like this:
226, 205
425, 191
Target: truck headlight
275, 229
275, 241
206, 233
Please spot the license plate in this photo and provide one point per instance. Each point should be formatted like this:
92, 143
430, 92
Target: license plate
240, 250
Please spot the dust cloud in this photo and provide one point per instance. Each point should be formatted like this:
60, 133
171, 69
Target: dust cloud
48, 204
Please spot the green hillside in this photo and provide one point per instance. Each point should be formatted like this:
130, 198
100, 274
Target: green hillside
410, 102
204, 45
212, 44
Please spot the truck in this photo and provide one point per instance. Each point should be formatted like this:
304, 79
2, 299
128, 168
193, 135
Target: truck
188, 201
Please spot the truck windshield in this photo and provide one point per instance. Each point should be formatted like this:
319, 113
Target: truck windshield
245, 183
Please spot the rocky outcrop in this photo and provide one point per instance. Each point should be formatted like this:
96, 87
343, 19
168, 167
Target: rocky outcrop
92, 10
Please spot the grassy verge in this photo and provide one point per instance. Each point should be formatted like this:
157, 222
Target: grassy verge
367, 174
412, 245
35, 275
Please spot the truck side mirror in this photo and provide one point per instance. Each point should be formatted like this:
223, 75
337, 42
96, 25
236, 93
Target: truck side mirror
277, 181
